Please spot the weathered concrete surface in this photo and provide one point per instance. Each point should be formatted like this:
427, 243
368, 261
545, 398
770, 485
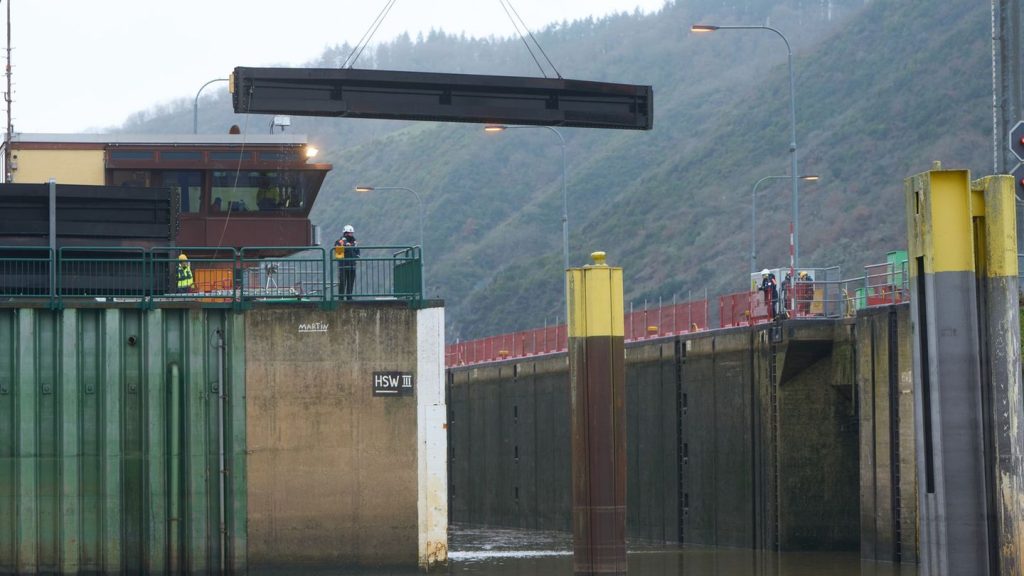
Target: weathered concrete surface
708, 433
888, 472
431, 438
332, 469
652, 412
817, 452
509, 440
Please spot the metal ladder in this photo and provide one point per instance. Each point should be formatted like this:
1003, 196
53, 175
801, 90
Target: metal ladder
681, 407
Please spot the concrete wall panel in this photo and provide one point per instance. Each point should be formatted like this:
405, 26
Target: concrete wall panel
332, 469
703, 450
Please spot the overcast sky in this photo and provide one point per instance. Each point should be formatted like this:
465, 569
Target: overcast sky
87, 64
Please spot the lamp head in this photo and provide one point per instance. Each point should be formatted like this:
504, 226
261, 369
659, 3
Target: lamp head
703, 28
364, 188
811, 177
495, 128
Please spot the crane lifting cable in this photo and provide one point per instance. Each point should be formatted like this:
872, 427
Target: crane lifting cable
357, 50
509, 11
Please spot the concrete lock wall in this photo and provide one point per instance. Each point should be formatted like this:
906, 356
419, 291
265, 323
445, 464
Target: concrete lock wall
888, 472
109, 456
110, 440
339, 475
704, 417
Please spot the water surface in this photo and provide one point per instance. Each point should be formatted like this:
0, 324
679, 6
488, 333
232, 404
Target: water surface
503, 552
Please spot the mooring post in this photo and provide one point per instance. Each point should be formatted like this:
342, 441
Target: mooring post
967, 394
597, 377
999, 312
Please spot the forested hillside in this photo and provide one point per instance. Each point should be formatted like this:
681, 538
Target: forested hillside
884, 87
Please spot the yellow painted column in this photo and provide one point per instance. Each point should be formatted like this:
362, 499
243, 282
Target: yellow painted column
967, 384
999, 315
597, 377
948, 408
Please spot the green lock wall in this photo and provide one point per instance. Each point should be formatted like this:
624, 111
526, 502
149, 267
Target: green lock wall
87, 431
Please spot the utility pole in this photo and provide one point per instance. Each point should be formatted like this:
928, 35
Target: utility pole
1008, 100
8, 173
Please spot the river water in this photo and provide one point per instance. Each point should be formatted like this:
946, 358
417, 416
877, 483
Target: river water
501, 552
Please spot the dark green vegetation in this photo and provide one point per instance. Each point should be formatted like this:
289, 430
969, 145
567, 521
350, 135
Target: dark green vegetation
884, 87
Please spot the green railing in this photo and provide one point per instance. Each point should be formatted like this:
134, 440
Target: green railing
220, 276
26, 272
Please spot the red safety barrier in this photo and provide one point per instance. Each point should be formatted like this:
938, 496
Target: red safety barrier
515, 345
666, 320
638, 325
743, 309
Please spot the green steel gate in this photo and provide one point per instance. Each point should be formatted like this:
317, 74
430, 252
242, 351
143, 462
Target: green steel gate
109, 441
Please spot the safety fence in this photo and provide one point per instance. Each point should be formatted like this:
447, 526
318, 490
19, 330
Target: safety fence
821, 294
640, 324
214, 276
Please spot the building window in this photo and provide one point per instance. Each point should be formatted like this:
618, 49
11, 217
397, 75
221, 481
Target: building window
188, 185
131, 154
279, 156
230, 156
180, 155
261, 190
131, 178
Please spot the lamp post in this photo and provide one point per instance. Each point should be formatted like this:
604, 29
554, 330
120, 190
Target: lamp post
753, 214
565, 198
794, 240
195, 104
419, 200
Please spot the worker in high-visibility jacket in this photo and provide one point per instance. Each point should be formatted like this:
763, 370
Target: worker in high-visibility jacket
185, 279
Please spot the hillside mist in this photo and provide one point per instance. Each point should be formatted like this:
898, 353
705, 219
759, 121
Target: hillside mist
884, 87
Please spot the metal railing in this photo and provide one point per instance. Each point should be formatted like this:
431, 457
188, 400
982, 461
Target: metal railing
26, 272
219, 275
642, 324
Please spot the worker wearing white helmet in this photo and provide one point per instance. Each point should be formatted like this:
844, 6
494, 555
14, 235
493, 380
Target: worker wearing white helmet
347, 249
771, 291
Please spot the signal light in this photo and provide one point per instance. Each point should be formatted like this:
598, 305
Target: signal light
1017, 141
1018, 180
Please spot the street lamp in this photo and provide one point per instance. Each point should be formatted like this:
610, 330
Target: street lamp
565, 198
753, 213
794, 241
195, 104
423, 273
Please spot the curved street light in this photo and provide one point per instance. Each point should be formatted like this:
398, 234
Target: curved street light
195, 104
794, 243
565, 199
753, 213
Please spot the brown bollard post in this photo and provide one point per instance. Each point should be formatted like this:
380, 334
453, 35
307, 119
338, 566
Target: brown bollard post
597, 381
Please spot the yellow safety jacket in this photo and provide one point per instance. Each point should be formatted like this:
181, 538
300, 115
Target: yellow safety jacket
184, 276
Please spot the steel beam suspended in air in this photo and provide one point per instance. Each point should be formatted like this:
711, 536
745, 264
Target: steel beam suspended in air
392, 95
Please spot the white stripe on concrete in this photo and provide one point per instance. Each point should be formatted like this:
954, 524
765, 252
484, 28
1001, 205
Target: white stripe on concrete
431, 438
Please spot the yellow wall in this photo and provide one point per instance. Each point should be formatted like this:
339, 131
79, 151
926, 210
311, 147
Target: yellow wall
67, 166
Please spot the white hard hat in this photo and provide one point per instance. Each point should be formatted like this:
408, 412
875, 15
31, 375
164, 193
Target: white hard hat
765, 272
349, 228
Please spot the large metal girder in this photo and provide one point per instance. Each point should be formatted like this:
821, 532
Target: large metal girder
394, 95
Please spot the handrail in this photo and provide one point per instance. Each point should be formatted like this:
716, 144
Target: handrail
220, 276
